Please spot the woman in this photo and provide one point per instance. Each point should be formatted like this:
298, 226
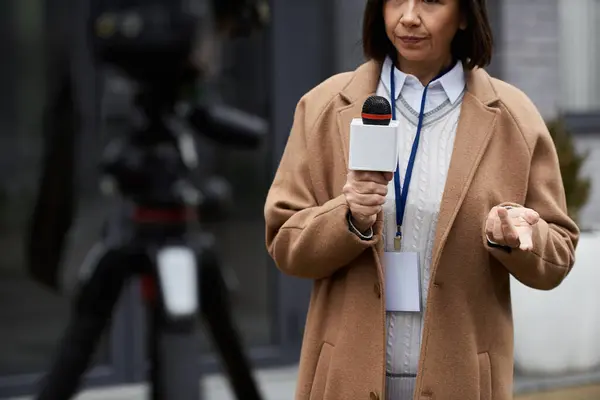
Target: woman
483, 199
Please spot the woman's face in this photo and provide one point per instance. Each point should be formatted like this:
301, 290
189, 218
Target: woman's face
422, 30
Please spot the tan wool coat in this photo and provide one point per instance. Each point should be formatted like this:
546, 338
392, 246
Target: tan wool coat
503, 153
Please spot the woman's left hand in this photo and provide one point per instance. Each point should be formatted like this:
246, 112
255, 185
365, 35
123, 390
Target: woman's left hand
512, 227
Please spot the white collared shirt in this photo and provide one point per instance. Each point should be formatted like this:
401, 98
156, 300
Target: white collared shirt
442, 112
448, 87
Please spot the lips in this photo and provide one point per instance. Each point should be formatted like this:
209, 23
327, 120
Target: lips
412, 39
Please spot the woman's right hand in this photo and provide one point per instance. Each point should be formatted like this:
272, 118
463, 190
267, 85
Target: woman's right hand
365, 193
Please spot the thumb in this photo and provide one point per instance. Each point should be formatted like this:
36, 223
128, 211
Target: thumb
531, 217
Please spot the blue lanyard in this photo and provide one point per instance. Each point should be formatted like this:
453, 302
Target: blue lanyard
402, 191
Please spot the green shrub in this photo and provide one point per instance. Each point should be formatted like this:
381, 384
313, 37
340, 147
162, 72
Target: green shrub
577, 188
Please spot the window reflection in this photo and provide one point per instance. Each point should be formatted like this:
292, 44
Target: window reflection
579, 29
35, 316
32, 316
240, 238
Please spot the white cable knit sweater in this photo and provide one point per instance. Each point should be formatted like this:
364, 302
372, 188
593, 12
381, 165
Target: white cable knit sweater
423, 204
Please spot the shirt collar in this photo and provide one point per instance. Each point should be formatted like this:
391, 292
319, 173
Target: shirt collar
453, 82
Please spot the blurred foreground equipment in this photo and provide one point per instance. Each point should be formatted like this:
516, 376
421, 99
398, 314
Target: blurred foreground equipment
165, 47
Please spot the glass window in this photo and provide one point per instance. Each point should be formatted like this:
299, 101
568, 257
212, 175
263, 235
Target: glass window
580, 55
241, 237
36, 315
33, 316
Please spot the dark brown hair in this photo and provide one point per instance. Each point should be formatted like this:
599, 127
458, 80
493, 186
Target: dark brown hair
473, 46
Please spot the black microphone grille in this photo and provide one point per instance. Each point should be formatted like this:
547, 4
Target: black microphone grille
376, 111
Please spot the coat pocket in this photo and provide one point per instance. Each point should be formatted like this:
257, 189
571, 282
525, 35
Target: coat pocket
485, 376
317, 392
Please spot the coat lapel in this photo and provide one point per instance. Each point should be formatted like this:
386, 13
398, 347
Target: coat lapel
362, 85
345, 116
474, 132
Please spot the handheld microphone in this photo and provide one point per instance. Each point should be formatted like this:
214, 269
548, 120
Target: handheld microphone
374, 138
376, 111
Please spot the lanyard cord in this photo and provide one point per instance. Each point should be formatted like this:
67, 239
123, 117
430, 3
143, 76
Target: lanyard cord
402, 191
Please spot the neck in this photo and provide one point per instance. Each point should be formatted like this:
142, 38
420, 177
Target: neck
424, 71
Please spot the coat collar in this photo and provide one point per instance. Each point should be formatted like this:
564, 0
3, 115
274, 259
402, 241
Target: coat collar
366, 78
452, 83
475, 129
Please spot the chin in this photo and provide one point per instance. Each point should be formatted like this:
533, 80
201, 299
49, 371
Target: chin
414, 55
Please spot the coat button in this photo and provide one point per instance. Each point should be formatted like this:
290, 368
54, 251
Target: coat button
373, 396
377, 290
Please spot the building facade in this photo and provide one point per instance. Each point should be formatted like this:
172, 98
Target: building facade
550, 50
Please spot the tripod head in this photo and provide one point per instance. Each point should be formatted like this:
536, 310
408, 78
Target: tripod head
156, 44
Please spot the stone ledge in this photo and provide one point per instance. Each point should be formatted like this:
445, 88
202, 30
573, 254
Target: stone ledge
533, 384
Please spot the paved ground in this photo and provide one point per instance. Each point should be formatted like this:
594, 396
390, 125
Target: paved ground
276, 384
279, 384
580, 393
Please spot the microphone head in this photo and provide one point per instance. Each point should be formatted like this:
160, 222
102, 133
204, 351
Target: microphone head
376, 111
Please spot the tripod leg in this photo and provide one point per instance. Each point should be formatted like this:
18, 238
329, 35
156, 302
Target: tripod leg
175, 372
216, 311
91, 314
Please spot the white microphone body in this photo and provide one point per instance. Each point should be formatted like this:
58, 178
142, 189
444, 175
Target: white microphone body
373, 147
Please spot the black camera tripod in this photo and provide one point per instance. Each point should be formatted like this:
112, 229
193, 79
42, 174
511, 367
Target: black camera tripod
155, 237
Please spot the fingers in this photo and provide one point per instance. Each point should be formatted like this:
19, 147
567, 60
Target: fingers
365, 182
509, 232
361, 212
371, 188
512, 227
497, 235
364, 216
369, 200
531, 216
489, 223
526, 240
366, 188
524, 214
371, 176
365, 194
493, 227
388, 176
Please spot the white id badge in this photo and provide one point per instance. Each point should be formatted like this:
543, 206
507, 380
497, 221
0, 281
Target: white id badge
402, 281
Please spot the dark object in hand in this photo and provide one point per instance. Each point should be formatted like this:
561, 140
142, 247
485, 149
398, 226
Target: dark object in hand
376, 111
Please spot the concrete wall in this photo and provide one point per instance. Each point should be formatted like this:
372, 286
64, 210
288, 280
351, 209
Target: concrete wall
529, 50
579, 54
348, 33
546, 50
590, 214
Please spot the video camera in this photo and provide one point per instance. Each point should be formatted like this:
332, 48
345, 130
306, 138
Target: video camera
167, 48
152, 40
